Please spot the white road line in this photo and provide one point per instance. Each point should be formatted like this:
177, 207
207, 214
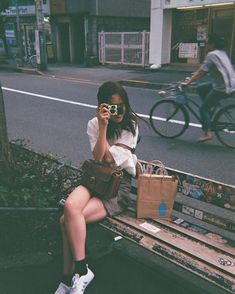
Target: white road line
49, 98
85, 104
179, 122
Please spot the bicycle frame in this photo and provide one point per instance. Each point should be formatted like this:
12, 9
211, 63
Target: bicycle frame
191, 110
197, 105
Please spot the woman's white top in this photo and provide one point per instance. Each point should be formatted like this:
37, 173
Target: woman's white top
122, 157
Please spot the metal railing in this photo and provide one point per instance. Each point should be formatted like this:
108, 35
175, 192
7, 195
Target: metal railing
128, 48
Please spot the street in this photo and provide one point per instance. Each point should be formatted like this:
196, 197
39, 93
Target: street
52, 114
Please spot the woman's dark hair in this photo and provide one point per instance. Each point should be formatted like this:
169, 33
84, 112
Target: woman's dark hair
217, 41
129, 121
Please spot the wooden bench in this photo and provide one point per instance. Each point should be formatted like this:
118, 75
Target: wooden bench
198, 243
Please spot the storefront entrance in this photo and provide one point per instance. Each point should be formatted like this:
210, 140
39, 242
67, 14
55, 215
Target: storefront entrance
223, 23
191, 28
64, 42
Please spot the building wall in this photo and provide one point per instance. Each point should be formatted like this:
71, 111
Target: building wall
112, 24
176, 3
170, 27
128, 8
124, 8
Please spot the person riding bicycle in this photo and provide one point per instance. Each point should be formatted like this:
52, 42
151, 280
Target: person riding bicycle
219, 66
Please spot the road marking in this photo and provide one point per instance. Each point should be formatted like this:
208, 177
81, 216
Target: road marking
179, 122
50, 98
87, 105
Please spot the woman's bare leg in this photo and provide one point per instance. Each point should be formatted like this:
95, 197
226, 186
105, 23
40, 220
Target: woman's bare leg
80, 208
67, 253
75, 222
94, 211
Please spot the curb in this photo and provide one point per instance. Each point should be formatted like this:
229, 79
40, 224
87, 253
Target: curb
129, 83
29, 70
151, 85
143, 84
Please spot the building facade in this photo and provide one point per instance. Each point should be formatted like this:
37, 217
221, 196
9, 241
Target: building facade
22, 24
72, 26
179, 29
76, 24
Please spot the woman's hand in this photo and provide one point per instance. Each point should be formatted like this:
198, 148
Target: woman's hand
101, 146
103, 114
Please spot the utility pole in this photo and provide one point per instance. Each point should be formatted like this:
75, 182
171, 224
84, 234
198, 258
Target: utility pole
19, 36
40, 39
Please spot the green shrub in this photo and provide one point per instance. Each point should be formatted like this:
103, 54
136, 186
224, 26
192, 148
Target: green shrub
38, 181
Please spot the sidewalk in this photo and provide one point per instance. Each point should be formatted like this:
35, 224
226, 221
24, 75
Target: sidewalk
128, 76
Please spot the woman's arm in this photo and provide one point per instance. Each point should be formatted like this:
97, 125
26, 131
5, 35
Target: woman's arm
101, 149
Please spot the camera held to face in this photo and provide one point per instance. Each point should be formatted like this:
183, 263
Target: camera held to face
115, 109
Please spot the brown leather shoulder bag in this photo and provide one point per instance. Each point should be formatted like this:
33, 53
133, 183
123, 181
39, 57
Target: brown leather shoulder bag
101, 179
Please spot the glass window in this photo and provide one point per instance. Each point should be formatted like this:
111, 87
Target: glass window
189, 26
223, 24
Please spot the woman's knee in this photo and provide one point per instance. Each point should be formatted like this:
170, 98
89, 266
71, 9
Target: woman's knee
76, 201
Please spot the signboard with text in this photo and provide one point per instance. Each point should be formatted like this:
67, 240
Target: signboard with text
188, 50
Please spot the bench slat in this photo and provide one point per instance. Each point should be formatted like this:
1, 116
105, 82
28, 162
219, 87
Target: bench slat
176, 240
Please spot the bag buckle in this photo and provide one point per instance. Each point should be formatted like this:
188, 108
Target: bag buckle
92, 179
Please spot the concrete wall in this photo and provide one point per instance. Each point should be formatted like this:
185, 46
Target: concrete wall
124, 8
160, 34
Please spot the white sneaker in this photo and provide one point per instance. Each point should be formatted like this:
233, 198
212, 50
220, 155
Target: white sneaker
79, 284
62, 289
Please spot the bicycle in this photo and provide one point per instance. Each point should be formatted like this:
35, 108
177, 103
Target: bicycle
170, 117
31, 60
26, 60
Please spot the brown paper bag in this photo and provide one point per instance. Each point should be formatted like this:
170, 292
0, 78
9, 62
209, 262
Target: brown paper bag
156, 195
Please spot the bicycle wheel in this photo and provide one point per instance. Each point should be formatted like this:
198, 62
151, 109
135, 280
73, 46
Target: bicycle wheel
168, 118
33, 60
224, 125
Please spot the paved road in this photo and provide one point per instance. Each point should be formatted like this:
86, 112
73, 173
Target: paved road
56, 124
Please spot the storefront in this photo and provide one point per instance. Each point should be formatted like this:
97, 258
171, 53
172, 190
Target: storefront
27, 25
193, 26
188, 26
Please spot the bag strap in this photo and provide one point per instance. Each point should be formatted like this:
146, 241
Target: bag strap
125, 147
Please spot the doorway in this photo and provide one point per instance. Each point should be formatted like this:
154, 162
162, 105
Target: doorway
223, 24
64, 42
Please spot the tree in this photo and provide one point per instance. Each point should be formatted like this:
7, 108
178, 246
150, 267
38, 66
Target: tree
5, 151
4, 4
5, 154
